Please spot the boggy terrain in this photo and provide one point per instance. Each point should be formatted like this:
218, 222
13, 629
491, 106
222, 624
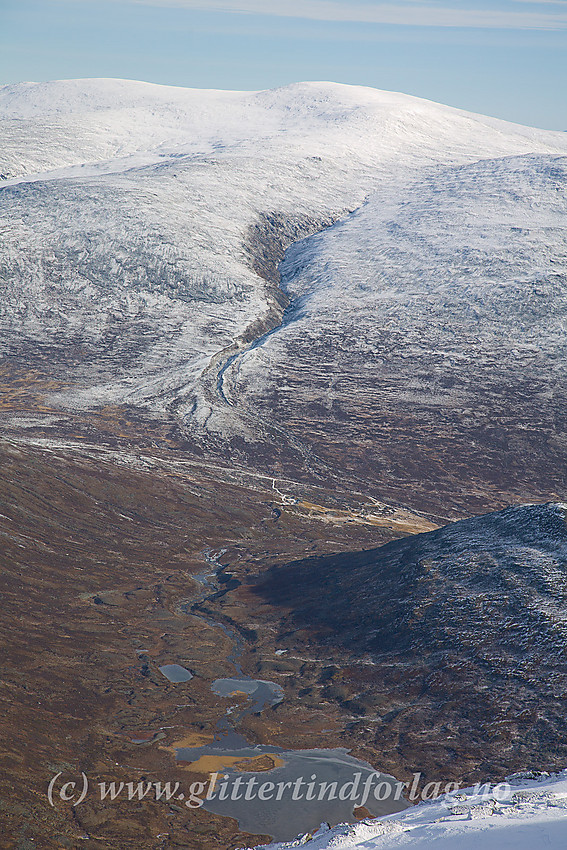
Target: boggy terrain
98, 552
103, 557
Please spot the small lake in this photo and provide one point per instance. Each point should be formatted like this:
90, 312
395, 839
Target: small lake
301, 790
175, 673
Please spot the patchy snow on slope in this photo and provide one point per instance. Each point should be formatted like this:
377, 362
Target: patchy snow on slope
471, 259
524, 814
437, 309
126, 213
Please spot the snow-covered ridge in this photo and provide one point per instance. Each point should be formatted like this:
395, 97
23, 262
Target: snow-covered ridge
128, 208
529, 814
88, 121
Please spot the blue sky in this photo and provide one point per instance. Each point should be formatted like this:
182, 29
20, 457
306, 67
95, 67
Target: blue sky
500, 57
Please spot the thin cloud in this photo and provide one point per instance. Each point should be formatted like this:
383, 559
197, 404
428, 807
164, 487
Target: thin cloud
405, 14
543, 2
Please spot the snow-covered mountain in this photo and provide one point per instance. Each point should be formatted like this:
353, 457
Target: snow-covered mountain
81, 122
525, 813
329, 285
142, 227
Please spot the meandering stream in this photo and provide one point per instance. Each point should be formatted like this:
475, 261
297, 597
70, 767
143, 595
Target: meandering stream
270, 790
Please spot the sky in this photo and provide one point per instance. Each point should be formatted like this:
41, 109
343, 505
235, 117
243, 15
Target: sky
506, 58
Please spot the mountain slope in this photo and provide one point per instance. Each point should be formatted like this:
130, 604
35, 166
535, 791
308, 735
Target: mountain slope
453, 640
142, 227
426, 338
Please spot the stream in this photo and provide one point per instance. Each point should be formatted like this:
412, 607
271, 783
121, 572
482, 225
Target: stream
267, 789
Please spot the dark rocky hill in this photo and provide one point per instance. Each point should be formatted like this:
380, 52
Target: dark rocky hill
452, 641
492, 586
